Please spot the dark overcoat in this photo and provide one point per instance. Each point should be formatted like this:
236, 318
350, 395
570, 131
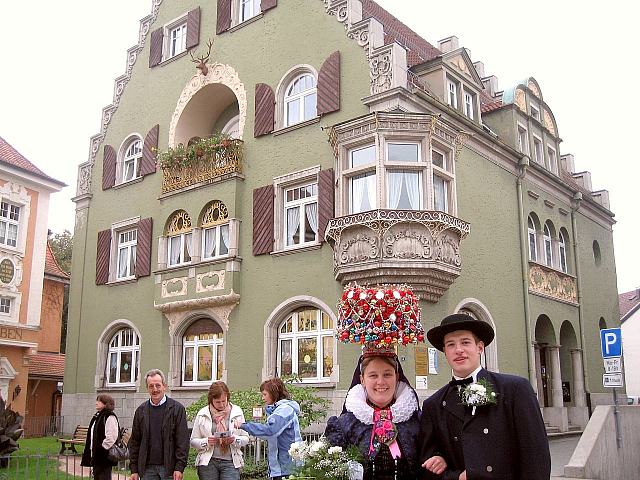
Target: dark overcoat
507, 440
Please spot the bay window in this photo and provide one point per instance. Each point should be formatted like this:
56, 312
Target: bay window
548, 249
442, 179
179, 239
215, 241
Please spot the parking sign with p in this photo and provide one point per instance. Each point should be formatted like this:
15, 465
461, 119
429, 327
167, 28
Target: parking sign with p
611, 342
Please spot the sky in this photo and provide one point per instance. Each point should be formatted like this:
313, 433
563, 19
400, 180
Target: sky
581, 54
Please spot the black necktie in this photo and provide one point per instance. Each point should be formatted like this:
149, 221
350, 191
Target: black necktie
460, 383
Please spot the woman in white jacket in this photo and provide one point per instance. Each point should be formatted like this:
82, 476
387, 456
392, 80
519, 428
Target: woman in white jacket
214, 435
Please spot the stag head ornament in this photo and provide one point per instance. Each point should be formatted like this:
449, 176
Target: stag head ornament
201, 60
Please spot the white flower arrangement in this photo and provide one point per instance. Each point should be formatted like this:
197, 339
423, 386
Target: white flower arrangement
477, 394
320, 461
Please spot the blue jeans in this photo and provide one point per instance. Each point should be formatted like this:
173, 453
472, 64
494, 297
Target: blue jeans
218, 469
157, 472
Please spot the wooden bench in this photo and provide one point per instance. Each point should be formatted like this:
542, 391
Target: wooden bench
79, 438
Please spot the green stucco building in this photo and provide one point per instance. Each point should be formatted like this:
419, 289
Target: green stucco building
230, 196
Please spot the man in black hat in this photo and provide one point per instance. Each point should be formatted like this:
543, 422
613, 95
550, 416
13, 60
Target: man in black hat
483, 424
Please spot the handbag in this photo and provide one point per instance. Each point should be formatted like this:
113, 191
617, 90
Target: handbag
119, 451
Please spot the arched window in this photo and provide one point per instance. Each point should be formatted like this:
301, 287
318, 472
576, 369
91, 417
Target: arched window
548, 250
123, 358
215, 230
300, 100
562, 248
306, 345
179, 239
533, 250
202, 353
131, 160
477, 310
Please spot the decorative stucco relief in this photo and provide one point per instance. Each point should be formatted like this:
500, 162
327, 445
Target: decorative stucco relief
548, 122
534, 88
210, 281
174, 287
552, 283
218, 307
84, 187
217, 73
381, 71
520, 100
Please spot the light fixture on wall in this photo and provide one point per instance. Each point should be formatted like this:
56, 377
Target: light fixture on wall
16, 391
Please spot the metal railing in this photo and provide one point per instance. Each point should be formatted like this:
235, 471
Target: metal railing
45, 466
42, 426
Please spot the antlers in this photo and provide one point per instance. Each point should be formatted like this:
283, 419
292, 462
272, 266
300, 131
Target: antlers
201, 60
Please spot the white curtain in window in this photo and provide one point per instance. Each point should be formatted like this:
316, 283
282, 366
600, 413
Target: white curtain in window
395, 189
357, 192
411, 180
293, 223
187, 242
311, 211
209, 242
174, 250
224, 236
438, 194
122, 263
371, 190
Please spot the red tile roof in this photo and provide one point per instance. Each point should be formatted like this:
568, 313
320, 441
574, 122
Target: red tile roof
628, 301
51, 266
11, 156
490, 107
418, 49
47, 365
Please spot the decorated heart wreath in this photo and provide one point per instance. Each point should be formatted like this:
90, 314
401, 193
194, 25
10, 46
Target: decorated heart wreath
379, 317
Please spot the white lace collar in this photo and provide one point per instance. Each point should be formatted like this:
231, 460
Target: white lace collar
402, 408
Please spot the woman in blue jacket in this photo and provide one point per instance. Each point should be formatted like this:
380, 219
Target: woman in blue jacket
281, 428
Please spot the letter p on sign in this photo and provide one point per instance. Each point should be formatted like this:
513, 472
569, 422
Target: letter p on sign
611, 342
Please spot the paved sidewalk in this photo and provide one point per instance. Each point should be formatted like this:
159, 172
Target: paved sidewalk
71, 465
561, 449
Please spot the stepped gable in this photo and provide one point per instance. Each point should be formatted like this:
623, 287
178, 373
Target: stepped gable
418, 49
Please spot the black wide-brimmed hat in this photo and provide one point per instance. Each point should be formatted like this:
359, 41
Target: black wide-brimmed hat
460, 321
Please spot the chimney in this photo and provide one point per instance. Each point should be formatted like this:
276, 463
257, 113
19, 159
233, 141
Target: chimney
602, 197
490, 84
567, 163
583, 179
479, 68
448, 44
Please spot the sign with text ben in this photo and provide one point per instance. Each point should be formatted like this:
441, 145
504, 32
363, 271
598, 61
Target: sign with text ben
611, 342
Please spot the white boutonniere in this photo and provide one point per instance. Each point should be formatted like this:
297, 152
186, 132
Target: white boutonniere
477, 394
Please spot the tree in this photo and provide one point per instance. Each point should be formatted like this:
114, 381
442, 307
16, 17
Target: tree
62, 247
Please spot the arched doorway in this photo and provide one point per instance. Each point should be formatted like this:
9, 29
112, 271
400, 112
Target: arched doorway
545, 339
568, 344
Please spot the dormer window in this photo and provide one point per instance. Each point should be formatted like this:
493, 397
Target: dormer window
469, 102
452, 93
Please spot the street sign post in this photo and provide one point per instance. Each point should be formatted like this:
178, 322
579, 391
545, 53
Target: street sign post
611, 347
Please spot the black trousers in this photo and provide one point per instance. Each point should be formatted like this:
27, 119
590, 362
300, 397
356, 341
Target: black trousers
102, 472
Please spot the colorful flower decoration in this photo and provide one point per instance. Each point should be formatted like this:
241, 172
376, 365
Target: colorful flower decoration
379, 317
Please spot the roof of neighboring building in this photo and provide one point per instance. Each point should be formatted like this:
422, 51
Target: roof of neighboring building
51, 266
629, 301
47, 365
491, 106
11, 156
418, 49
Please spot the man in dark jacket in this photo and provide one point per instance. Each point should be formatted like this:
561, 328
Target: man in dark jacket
159, 443
483, 424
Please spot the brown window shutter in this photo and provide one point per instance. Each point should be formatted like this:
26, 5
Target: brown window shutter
108, 167
155, 52
326, 195
102, 257
193, 28
267, 4
329, 85
148, 162
143, 247
265, 104
263, 220
224, 16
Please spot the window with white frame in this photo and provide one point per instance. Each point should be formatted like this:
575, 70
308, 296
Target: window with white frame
5, 306
306, 345
468, 104
202, 353
301, 214
127, 244
553, 160
404, 186
442, 180
535, 112
533, 249
123, 358
523, 140
177, 39
247, 9
131, 160
9, 223
537, 151
362, 186
562, 251
452, 93
179, 239
300, 100
548, 245
215, 231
